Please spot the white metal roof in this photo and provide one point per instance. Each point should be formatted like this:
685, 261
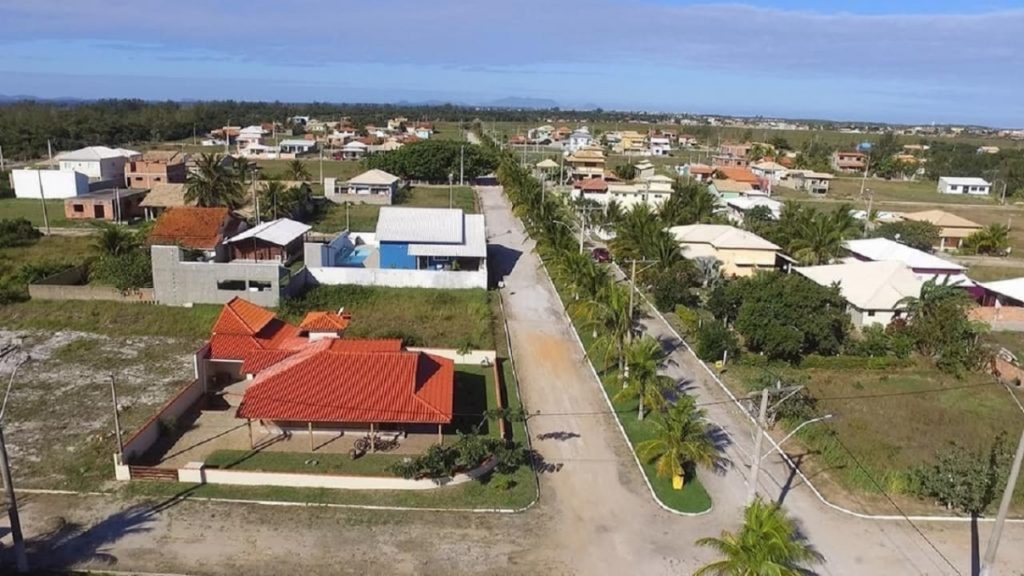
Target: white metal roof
1012, 288
473, 246
354, 145
420, 225
965, 181
720, 236
95, 153
297, 142
281, 232
748, 202
374, 177
883, 249
868, 285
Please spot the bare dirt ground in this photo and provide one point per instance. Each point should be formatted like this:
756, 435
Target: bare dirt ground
59, 423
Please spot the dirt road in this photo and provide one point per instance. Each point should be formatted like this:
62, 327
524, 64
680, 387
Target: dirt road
595, 515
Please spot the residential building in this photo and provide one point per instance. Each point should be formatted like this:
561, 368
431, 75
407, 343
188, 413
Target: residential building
630, 143
810, 181
699, 172
260, 151
586, 163
291, 382
302, 146
726, 160
739, 174
412, 247
250, 135
973, 186
279, 240
736, 150
370, 187
874, 291
772, 172
737, 208
161, 197
741, 253
196, 228
652, 191
729, 189
156, 167
179, 279
353, 150
644, 170
579, 140
98, 162
396, 124
849, 161
48, 184
115, 205
541, 134
423, 130
924, 265
953, 229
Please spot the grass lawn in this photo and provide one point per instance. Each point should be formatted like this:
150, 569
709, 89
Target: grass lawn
344, 169
885, 420
110, 318
848, 189
437, 318
693, 498
32, 210
69, 249
363, 217
992, 273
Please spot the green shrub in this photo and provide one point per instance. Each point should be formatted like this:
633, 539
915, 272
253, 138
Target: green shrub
17, 232
714, 339
129, 271
689, 318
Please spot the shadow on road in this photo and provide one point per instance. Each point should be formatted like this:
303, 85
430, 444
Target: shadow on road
561, 436
501, 260
542, 466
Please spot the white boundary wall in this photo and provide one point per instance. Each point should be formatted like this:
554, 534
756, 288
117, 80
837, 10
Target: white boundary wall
473, 357
401, 278
194, 472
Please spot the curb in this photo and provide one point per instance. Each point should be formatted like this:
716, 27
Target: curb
611, 408
789, 462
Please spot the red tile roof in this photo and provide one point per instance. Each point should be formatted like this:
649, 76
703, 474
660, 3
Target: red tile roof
240, 316
191, 226
359, 346
592, 185
325, 322
738, 174
321, 385
243, 331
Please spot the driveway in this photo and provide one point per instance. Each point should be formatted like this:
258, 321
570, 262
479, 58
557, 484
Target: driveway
595, 515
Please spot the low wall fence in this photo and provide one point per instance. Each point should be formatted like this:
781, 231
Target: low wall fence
1010, 318
472, 357
70, 285
499, 381
399, 278
147, 434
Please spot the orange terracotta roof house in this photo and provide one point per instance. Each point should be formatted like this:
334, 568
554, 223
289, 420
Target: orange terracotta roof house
194, 227
593, 186
738, 174
325, 322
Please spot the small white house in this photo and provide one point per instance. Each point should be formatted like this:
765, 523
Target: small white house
973, 186
661, 146
579, 139
97, 162
300, 146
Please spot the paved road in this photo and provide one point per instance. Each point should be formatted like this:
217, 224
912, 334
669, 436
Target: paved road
595, 515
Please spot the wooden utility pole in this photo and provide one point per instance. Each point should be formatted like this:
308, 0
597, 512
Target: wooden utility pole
12, 508
1004, 507
755, 463
117, 419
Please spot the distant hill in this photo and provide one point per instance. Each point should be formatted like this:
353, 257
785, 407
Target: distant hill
521, 103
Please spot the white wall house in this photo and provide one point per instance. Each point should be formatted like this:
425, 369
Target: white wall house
51, 184
579, 139
973, 186
98, 162
299, 146
661, 146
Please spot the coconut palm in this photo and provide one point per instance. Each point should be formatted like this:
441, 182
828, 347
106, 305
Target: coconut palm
818, 240
992, 239
113, 240
768, 544
273, 197
664, 248
703, 205
296, 170
635, 231
933, 294
682, 440
608, 315
643, 382
213, 184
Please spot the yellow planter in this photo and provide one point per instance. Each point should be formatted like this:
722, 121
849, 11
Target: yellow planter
677, 482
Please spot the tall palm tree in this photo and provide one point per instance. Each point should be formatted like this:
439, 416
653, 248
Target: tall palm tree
768, 544
682, 440
817, 241
296, 170
113, 240
643, 357
273, 197
664, 248
635, 231
214, 184
608, 315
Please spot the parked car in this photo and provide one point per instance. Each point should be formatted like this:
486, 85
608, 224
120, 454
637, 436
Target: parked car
601, 255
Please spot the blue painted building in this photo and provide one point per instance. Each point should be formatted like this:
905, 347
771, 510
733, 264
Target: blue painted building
430, 239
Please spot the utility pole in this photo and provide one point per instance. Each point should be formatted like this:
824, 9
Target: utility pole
117, 419
1, 158
5, 473
1004, 507
348, 226
462, 164
321, 165
450, 195
42, 200
755, 464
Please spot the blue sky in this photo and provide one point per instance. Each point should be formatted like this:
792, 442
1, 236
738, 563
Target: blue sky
954, 61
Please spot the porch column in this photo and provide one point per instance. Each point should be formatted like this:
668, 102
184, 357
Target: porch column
248, 424
373, 439
440, 436
310, 436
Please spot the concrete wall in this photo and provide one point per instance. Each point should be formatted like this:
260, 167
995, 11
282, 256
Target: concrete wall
400, 278
56, 183
149, 433
317, 254
108, 168
177, 283
865, 318
396, 255
474, 357
1001, 319
195, 472
68, 285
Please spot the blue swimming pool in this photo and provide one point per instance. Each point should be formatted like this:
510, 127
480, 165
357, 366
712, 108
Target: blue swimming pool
356, 257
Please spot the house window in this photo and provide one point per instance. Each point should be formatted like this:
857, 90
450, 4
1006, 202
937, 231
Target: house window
871, 313
231, 285
138, 178
78, 208
257, 286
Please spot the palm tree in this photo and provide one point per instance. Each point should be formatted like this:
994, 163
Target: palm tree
273, 197
113, 240
709, 270
296, 170
768, 544
608, 315
992, 239
703, 205
817, 241
664, 248
933, 294
682, 440
213, 184
634, 232
643, 357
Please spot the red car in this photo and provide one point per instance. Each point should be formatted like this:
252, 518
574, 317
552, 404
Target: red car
601, 255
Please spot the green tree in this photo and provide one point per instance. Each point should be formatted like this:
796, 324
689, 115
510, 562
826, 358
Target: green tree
992, 239
625, 171
768, 544
682, 441
715, 339
940, 327
609, 317
643, 356
114, 240
212, 183
963, 479
921, 235
819, 237
17, 232
297, 170
272, 198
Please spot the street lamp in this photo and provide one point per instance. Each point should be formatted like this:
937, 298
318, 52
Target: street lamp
451, 177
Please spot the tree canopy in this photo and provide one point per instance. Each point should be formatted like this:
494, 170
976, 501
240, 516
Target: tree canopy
435, 160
